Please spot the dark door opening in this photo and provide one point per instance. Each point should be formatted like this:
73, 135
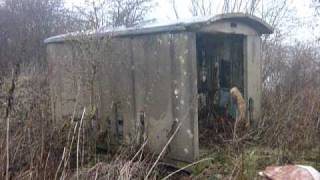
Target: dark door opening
220, 64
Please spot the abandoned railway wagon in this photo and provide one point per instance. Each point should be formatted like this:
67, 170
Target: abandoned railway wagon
154, 81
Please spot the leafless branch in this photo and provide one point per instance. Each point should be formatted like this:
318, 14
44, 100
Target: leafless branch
201, 7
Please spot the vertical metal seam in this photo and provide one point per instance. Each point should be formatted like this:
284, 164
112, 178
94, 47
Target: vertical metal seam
172, 73
191, 73
134, 113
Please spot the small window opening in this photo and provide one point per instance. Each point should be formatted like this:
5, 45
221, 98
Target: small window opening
119, 121
233, 25
251, 109
142, 134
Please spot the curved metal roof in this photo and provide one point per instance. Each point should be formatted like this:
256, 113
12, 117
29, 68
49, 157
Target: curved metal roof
180, 25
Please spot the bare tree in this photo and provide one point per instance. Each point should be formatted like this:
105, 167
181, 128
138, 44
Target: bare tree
201, 7
114, 13
94, 13
316, 5
23, 31
24, 24
245, 6
175, 10
275, 11
210, 7
129, 12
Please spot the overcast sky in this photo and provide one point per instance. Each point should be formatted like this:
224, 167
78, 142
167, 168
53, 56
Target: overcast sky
304, 27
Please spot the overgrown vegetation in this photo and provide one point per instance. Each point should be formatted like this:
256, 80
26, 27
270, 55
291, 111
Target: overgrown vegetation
32, 146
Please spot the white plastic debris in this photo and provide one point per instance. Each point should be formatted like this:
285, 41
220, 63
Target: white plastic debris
290, 172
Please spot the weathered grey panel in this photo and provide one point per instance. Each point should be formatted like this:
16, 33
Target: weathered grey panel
253, 73
115, 82
165, 72
153, 86
185, 99
83, 76
61, 80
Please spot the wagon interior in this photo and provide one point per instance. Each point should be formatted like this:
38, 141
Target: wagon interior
220, 66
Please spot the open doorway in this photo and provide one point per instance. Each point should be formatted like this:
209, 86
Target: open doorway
220, 64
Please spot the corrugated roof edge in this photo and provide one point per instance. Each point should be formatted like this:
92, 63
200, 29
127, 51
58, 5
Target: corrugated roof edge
254, 22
